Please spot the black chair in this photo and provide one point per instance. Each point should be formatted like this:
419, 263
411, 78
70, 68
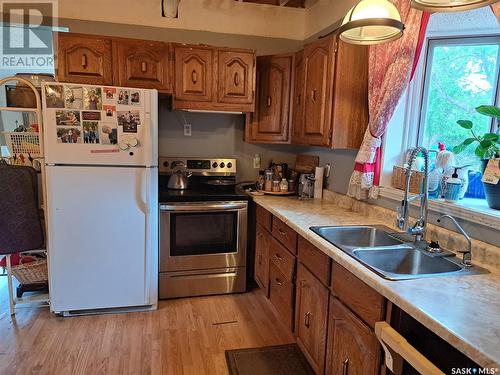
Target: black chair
21, 227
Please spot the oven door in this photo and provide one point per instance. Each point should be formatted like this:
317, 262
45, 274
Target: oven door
204, 235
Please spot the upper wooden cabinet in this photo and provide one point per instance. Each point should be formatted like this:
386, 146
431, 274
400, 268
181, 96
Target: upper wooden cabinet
145, 64
208, 78
270, 123
194, 68
84, 59
236, 77
331, 94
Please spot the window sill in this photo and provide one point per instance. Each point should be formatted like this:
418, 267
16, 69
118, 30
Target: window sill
470, 209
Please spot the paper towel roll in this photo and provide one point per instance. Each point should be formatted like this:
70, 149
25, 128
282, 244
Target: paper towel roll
318, 182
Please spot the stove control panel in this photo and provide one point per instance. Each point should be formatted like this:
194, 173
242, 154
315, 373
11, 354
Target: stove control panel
198, 166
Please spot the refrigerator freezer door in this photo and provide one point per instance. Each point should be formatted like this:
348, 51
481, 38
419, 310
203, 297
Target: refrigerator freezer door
102, 238
111, 133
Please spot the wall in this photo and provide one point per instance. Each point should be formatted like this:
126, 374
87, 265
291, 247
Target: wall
221, 135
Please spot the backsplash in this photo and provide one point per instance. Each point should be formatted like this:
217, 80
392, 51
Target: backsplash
483, 254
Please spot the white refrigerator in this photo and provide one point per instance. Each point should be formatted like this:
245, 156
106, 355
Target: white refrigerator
102, 197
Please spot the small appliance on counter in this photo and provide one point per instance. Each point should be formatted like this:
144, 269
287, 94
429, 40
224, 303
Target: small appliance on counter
203, 229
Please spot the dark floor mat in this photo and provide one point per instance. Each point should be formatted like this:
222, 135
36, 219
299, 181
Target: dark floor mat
269, 360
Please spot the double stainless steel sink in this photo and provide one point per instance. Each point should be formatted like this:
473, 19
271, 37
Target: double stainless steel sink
389, 256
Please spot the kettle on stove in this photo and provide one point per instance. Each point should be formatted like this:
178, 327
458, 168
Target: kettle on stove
179, 179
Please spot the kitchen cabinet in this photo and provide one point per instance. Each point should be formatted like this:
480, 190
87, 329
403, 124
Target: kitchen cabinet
331, 94
194, 74
311, 315
84, 59
145, 64
262, 242
281, 293
270, 123
216, 79
236, 76
353, 347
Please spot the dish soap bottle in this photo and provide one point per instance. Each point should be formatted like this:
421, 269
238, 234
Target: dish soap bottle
453, 188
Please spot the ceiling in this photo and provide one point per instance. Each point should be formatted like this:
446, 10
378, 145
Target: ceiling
287, 3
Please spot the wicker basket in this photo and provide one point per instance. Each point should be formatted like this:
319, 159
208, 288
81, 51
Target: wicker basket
23, 143
31, 273
399, 179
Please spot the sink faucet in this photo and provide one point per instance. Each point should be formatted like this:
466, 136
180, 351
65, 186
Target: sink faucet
403, 212
467, 255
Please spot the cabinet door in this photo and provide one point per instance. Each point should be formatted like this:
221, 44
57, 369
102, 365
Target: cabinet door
236, 77
84, 59
142, 63
353, 348
298, 98
311, 314
194, 72
262, 243
318, 72
271, 119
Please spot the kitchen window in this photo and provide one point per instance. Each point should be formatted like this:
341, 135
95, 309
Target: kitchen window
460, 74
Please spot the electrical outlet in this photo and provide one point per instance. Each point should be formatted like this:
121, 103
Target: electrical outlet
187, 130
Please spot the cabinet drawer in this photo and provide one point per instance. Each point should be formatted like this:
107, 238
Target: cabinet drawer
359, 297
285, 235
315, 260
281, 295
282, 259
263, 217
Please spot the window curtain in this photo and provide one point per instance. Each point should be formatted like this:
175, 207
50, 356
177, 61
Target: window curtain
390, 67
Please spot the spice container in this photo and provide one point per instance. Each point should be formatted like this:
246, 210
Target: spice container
283, 185
276, 186
268, 182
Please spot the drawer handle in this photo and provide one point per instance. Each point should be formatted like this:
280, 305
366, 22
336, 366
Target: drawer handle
144, 66
194, 76
84, 61
277, 256
236, 79
278, 281
345, 367
269, 101
282, 232
260, 259
307, 319
313, 95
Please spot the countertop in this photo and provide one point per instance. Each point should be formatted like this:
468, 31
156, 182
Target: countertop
463, 310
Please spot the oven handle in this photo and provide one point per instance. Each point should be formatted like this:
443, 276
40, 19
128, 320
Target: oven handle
202, 207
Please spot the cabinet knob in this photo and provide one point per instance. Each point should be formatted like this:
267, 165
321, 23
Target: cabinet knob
278, 281
236, 79
313, 95
194, 76
269, 101
84, 61
345, 367
307, 319
144, 66
279, 257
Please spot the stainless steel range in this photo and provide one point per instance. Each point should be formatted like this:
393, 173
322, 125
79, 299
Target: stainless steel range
203, 230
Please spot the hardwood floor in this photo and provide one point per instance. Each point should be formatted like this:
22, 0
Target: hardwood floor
183, 337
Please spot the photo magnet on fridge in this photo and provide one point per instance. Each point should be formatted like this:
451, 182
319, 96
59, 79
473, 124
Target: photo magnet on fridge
109, 111
91, 116
73, 97
91, 132
135, 97
67, 118
129, 120
69, 135
54, 96
92, 98
110, 93
109, 133
123, 97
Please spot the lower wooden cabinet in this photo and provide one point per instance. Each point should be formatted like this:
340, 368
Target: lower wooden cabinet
311, 316
281, 295
262, 242
353, 348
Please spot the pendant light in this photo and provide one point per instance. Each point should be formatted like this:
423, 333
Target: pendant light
371, 22
449, 5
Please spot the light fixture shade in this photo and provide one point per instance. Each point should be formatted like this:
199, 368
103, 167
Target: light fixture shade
449, 5
371, 22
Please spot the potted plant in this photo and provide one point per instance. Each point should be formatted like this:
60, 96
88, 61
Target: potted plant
487, 148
